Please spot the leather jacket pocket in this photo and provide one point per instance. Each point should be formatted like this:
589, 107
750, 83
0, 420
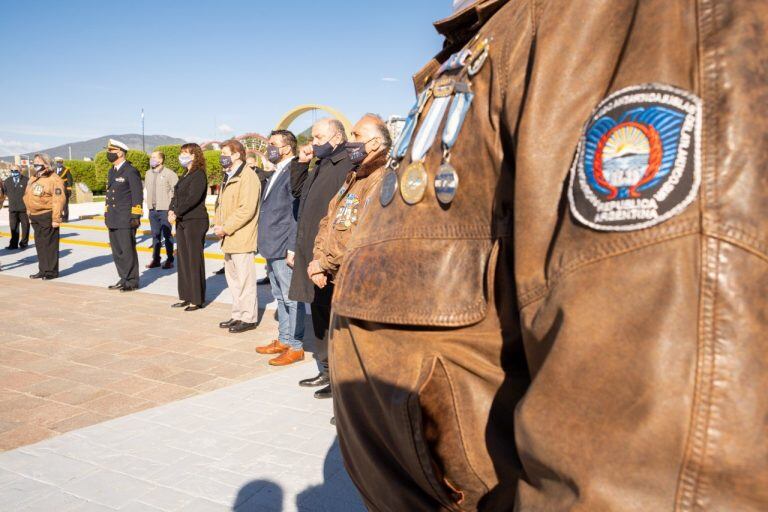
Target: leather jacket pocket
437, 282
438, 440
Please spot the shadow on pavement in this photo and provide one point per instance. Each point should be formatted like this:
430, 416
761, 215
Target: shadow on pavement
90, 263
335, 493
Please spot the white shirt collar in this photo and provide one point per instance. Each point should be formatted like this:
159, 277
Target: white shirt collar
280, 167
117, 167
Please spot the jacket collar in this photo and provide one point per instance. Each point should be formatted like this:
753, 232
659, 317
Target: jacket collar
236, 175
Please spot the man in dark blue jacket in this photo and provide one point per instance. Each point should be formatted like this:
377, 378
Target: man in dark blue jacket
14, 186
122, 211
276, 240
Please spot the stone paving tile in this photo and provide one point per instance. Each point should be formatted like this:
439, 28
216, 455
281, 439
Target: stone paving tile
87, 363
238, 448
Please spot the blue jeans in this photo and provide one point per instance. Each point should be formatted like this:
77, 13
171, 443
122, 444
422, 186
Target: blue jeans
161, 229
290, 314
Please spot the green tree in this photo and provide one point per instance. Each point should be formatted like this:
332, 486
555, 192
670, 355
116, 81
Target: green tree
85, 172
137, 158
213, 166
171, 157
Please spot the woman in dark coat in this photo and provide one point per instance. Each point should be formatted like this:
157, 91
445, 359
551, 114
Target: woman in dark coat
188, 210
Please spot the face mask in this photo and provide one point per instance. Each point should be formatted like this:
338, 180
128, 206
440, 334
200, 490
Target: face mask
39, 168
273, 154
59, 165
15, 173
112, 157
356, 152
225, 161
323, 150
185, 160
154, 162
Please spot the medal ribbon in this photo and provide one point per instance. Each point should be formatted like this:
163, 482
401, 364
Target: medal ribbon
400, 148
456, 115
428, 131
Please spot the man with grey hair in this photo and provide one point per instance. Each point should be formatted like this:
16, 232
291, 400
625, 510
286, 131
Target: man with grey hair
316, 189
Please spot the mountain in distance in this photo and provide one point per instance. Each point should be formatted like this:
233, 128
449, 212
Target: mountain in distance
89, 148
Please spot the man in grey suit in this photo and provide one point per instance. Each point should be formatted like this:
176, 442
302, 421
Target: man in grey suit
276, 241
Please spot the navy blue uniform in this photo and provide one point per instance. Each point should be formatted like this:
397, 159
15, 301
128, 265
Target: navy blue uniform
123, 205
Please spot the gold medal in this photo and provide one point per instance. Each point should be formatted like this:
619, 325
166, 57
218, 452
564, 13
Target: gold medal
413, 183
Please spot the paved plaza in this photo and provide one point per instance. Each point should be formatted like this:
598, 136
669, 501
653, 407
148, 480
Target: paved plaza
115, 401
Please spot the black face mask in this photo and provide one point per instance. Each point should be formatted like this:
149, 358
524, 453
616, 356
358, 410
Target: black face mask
356, 152
112, 157
323, 150
39, 168
273, 154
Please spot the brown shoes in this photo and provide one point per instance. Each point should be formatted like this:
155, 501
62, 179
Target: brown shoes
273, 348
288, 357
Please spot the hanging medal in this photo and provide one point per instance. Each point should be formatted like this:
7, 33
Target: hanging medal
413, 182
447, 179
389, 183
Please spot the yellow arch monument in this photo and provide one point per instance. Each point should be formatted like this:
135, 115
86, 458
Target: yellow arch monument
291, 116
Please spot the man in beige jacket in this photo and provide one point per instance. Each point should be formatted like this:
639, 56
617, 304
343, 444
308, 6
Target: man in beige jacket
235, 223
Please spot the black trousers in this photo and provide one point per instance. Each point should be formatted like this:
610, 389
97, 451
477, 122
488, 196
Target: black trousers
190, 243
123, 244
46, 244
18, 220
321, 320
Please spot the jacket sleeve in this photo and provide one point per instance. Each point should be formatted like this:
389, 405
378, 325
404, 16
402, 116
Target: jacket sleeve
248, 203
58, 198
137, 194
299, 173
2, 194
291, 245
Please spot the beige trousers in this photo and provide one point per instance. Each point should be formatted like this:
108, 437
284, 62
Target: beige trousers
240, 270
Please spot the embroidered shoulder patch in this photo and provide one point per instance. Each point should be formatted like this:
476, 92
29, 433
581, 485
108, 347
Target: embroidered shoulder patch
638, 160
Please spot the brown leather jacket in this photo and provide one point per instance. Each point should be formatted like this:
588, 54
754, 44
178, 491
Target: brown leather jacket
46, 194
639, 298
344, 214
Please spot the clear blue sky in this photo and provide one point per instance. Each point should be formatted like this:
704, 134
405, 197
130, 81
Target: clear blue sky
84, 68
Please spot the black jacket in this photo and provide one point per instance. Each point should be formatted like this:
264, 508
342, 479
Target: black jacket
15, 193
277, 217
125, 196
69, 180
189, 196
316, 190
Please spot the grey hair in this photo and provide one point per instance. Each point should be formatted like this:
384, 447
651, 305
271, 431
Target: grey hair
381, 126
336, 125
45, 158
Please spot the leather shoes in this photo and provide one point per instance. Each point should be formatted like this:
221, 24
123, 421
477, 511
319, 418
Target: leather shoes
263, 280
193, 307
229, 323
181, 304
116, 286
320, 380
220, 271
36, 276
49, 277
324, 392
288, 357
152, 264
242, 327
273, 348
129, 288
167, 264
